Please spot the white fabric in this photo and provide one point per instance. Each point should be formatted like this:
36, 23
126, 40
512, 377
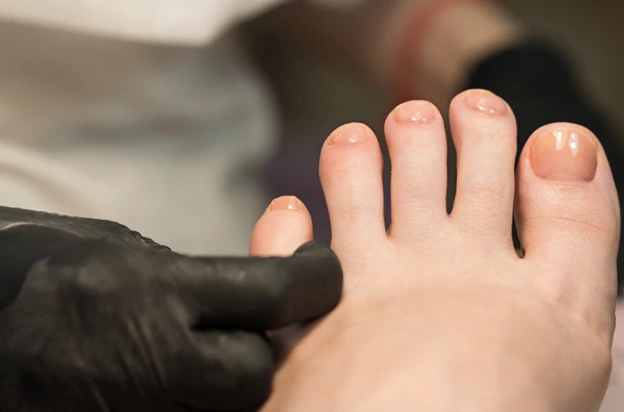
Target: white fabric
163, 21
167, 140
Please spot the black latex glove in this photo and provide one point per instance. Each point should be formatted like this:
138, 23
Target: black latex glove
94, 317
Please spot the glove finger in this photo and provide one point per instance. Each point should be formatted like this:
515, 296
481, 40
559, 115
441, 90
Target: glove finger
263, 293
223, 370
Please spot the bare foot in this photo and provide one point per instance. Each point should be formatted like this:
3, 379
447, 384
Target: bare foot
440, 313
614, 398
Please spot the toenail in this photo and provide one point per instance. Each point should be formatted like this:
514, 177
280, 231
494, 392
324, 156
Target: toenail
285, 203
564, 155
417, 111
352, 133
485, 102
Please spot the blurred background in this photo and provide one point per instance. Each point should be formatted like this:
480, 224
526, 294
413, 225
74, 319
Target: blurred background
175, 110
143, 125
155, 117
316, 97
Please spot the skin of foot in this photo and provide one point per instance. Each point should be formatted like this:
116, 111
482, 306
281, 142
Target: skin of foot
439, 312
614, 398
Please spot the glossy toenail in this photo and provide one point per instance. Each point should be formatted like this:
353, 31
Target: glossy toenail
417, 111
285, 203
485, 102
352, 133
566, 155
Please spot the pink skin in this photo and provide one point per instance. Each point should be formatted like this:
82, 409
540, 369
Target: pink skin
440, 313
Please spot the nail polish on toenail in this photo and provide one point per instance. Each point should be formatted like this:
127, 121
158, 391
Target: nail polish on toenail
285, 203
564, 155
485, 102
417, 111
348, 134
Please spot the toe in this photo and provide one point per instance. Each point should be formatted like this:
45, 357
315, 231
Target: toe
351, 175
284, 227
484, 132
567, 210
417, 144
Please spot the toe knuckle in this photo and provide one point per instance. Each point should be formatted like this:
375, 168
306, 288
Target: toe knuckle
354, 215
488, 190
592, 226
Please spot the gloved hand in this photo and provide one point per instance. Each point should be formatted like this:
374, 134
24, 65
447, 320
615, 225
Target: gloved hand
94, 317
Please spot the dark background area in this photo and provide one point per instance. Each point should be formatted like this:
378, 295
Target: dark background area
316, 97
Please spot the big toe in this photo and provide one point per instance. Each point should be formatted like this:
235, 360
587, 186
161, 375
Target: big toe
568, 216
